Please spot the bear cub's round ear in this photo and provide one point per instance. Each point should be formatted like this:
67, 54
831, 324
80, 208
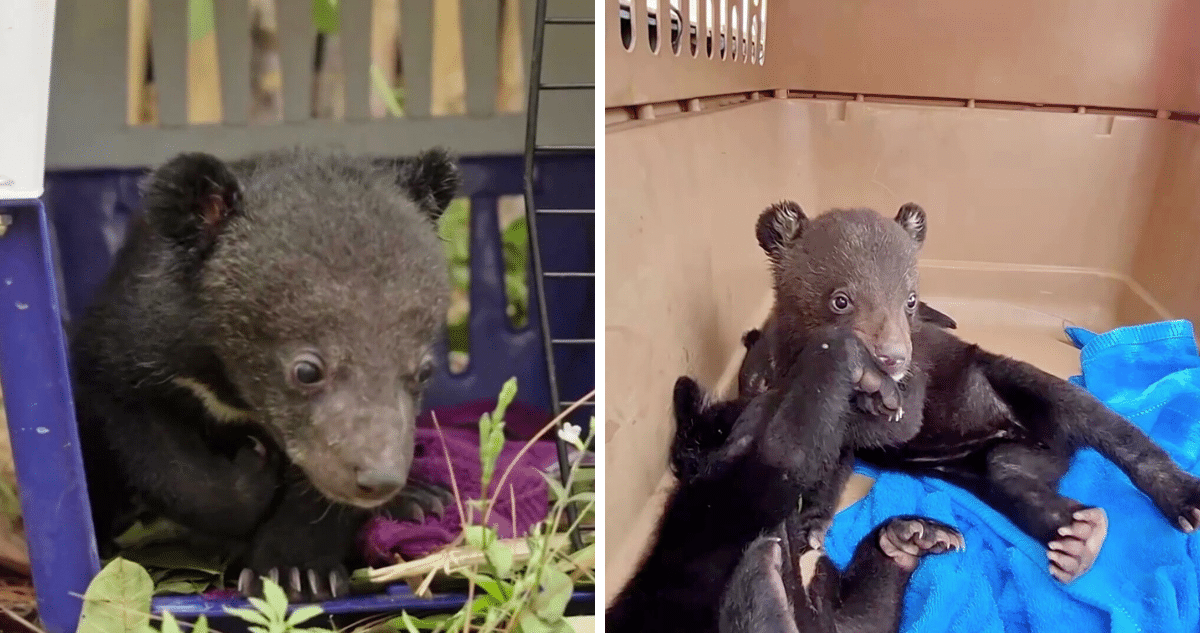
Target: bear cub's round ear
911, 218
189, 199
778, 226
432, 180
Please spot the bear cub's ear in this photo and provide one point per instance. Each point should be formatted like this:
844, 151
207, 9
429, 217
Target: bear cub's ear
189, 199
432, 180
911, 217
778, 226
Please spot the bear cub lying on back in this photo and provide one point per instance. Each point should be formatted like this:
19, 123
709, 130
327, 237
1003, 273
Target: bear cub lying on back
252, 368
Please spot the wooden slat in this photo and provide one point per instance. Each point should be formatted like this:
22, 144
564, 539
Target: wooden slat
356, 49
385, 38
297, 43
139, 147
481, 63
449, 86
139, 54
528, 12
416, 50
510, 92
169, 49
233, 58
88, 85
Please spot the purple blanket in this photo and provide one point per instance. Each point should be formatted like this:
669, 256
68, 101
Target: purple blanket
382, 537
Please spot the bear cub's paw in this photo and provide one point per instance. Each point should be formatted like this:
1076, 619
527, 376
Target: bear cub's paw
258, 473
905, 539
419, 499
878, 394
1184, 509
1078, 544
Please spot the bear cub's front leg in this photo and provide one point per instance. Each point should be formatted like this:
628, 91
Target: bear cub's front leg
303, 545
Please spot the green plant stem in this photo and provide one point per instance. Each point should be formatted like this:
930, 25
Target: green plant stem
559, 507
513, 462
450, 466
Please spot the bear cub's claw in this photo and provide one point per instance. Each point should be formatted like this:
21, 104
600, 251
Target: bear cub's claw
905, 539
300, 585
1185, 511
419, 499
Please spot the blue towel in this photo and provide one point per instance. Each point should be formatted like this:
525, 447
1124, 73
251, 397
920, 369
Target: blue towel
1147, 576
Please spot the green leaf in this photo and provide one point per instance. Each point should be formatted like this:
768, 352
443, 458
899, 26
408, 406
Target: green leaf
201, 20
556, 488
262, 606
117, 600
460, 276
276, 600
481, 605
408, 623
492, 620
494, 588
507, 393
181, 587
583, 554
169, 624
380, 84
491, 434
304, 614
531, 623
480, 536
491, 442
249, 615
201, 625
500, 556
427, 623
551, 601
582, 497
325, 16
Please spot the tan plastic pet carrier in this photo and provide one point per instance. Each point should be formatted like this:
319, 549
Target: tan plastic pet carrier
1053, 144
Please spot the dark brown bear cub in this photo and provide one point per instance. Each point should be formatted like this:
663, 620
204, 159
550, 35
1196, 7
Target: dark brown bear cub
999, 427
253, 366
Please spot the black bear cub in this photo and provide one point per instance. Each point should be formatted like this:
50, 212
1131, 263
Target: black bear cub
252, 367
999, 427
739, 545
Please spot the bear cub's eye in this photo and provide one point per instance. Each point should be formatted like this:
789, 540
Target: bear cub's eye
840, 302
425, 371
912, 301
308, 370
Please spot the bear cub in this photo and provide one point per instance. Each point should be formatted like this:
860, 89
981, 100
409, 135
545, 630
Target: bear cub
996, 426
739, 545
252, 368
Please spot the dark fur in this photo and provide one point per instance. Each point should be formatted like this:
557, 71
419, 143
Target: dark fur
785, 583
234, 273
999, 427
791, 443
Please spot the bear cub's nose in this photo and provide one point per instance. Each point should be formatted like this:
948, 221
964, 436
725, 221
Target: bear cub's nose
891, 362
378, 483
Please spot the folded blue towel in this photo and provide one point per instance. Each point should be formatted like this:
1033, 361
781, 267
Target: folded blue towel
1147, 576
